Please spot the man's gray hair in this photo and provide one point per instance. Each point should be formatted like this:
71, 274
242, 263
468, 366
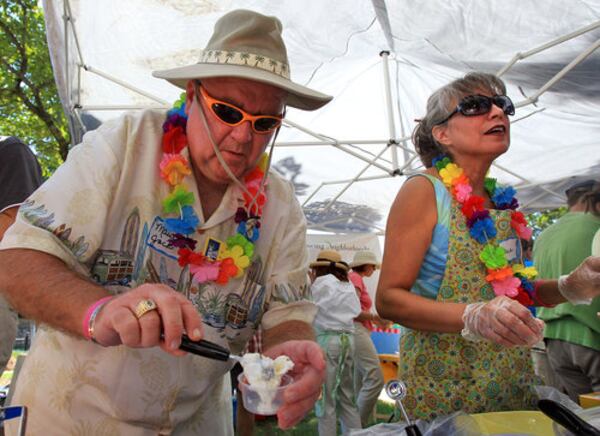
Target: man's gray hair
442, 102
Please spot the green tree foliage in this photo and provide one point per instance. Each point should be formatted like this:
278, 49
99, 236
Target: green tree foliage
29, 104
540, 220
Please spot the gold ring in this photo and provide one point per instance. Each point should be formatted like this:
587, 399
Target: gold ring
143, 307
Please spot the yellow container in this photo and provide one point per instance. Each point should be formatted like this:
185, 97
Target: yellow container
589, 400
389, 366
521, 421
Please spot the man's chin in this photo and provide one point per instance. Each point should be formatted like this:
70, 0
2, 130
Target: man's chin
221, 175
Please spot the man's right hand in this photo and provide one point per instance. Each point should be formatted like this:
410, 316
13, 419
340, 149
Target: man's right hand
118, 324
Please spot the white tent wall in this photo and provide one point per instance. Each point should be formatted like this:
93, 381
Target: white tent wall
104, 66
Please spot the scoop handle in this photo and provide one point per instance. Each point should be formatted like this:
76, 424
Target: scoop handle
204, 348
567, 418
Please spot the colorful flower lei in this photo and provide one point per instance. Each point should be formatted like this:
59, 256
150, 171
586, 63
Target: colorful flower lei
514, 281
237, 252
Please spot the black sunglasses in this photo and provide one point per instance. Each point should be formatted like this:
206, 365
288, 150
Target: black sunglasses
473, 105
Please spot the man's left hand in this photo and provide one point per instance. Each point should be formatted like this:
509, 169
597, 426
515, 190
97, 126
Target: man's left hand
308, 374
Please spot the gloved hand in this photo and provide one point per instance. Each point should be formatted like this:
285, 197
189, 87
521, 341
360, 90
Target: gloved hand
583, 284
502, 320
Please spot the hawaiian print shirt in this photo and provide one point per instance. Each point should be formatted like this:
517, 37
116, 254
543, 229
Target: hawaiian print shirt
100, 213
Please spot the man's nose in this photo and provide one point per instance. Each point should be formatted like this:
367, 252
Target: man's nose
243, 132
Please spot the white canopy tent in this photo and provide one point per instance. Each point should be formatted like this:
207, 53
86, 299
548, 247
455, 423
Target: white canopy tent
380, 60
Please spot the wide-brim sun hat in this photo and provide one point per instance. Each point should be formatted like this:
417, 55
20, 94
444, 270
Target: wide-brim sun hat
247, 45
330, 257
364, 258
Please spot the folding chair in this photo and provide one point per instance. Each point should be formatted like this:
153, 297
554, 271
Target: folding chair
14, 412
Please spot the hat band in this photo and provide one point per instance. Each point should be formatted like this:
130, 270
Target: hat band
245, 59
322, 259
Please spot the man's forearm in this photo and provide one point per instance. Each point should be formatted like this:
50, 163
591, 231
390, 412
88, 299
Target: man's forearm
287, 331
41, 287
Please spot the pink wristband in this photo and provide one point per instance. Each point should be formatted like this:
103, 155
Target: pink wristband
90, 316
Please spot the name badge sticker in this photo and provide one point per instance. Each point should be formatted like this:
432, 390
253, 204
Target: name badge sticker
512, 247
159, 237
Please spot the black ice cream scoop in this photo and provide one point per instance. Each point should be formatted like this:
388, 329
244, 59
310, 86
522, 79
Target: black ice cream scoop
567, 418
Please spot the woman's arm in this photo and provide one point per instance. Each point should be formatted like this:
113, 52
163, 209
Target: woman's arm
409, 232
579, 287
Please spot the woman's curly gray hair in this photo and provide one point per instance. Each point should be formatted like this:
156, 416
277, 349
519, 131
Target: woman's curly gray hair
442, 102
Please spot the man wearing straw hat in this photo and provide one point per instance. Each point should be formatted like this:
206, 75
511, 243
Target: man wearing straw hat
160, 224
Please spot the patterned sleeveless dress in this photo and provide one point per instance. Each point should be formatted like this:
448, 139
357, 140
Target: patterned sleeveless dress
445, 373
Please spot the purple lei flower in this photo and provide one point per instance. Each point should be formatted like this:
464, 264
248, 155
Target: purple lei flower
477, 215
180, 241
240, 215
514, 204
174, 120
483, 230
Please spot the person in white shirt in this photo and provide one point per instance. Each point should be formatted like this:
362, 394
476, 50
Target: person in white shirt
338, 305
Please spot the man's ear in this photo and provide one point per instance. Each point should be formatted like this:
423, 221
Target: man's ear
440, 134
189, 95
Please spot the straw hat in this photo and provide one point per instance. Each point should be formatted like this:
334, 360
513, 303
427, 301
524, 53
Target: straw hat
328, 257
364, 258
247, 45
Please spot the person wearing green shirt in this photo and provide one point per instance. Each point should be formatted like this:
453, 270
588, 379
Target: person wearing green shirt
572, 332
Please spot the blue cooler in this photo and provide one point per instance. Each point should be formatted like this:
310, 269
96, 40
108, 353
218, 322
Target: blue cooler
386, 343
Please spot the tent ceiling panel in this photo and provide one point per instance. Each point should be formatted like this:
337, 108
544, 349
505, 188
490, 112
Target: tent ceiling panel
335, 47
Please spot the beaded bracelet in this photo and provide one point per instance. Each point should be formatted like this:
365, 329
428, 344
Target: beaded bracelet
90, 317
536, 298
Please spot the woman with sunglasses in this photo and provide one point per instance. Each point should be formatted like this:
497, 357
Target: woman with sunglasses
453, 274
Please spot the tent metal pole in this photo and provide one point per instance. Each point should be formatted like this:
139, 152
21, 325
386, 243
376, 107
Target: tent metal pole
390, 110
360, 173
537, 197
363, 179
522, 178
122, 107
321, 143
125, 84
75, 37
66, 18
558, 76
312, 195
347, 142
546, 46
542, 109
349, 183
335, 144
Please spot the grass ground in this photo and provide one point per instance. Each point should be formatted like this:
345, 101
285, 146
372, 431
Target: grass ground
8, 373
308, 426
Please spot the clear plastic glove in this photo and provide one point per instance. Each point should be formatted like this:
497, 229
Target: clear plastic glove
583, 284
503, 321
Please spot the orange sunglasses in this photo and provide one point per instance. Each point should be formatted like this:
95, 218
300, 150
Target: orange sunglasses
234, 116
